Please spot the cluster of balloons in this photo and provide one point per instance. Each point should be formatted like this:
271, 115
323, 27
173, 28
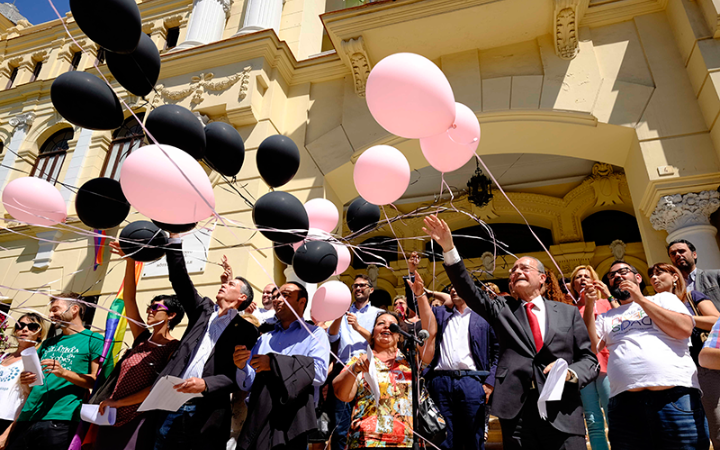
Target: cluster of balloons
409, 96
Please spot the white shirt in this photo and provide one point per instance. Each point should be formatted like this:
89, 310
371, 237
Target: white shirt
540, 312
455, 351
216, 326
690, 282
265, 315
641, 354
11, 394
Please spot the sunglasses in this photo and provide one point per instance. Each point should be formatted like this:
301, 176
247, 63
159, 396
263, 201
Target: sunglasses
360, 286
31, 326
155, 307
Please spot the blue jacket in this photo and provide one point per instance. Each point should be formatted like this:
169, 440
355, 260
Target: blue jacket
484, 346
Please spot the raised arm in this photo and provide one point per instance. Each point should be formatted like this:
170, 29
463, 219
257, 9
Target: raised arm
589, 318
227, 270
427, 318
674, 324
352, 321
129, 292
179, 278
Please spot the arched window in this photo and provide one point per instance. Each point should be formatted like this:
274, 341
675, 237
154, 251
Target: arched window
126, 139
605, 226
378, 250
52, 155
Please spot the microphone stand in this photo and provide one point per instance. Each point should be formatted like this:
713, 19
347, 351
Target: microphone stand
410, 351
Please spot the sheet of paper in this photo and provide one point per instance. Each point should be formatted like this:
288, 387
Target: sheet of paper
31, 363
164, 397
553, 387
91, 414
371, 378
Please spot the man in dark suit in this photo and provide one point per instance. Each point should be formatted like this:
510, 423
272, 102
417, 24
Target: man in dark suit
204, 359
533, 333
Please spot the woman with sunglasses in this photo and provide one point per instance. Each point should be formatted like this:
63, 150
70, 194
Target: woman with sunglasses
133, 377
29, 331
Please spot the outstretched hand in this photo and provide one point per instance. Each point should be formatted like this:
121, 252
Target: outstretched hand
417, 287
439, 231
115, 248
227, 270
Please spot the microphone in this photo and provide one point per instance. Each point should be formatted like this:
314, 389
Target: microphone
420, 339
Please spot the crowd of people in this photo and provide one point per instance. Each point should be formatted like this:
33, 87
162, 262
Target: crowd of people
647, 367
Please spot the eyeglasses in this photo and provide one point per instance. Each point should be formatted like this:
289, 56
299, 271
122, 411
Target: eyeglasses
523, 268
155, 307
32, 326
360, 286
622, 272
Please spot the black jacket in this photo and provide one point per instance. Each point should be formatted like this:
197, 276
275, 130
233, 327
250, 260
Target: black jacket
219, 371
566, 337
282, 406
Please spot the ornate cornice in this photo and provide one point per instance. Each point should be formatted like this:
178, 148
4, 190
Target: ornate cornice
355, 56
199, 85
679, 211
568, 14
22, 120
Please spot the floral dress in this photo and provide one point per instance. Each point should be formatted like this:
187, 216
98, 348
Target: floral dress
391, 426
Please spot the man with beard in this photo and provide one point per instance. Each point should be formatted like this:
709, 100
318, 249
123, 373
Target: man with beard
654, 389
350, 343
683, 256
70, 363
290, 338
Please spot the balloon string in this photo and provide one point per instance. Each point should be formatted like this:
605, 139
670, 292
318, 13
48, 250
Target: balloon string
449, 135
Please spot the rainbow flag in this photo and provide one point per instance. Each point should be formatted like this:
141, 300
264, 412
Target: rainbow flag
115, 326
99, 246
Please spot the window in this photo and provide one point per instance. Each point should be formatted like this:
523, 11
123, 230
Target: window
13, 75
2, 147
173, 34
100, 56
36, 71
126, 139
89, 310
77, 56
378, 250
52, 155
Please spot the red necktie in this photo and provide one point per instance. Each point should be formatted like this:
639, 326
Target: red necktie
534, 326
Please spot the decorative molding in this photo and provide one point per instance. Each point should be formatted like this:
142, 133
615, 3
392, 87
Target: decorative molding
148, 27
488, 262
41, 55
22, 120
678, 211
226, 4
173, 21
199, 85
204, 119
356, 57
568, 14
606, 185
618, 247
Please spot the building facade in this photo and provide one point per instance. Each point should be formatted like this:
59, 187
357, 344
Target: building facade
598, 121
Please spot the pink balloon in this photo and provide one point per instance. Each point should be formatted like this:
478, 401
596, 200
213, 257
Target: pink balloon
409, 96
343, 258
322, 214
381, 174
451, 149
34, 201
330, 301
158, 189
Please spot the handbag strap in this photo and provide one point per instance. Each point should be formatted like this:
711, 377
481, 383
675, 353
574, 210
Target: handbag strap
692, 304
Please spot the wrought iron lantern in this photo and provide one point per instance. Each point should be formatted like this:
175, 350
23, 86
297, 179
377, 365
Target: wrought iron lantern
479, 188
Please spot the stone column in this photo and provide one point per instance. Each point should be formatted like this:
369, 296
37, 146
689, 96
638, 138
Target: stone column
687, 217
311, 288
79, 155
207, 22
262, 15
21, 124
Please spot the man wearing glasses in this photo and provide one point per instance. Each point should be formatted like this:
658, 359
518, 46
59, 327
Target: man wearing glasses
534, 333
351, 343
654, 390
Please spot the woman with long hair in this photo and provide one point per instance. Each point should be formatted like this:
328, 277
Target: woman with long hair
584, 281
29, 331
667, 278
390, 423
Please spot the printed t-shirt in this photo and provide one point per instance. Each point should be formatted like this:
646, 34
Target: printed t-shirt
11, 395
57, 398
642, 355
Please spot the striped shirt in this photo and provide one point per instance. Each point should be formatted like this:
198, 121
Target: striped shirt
713, 341
216, 326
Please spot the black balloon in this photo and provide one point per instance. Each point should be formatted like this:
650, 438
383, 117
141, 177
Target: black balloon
86, 101
113, 24
362, 214
315, 261
138, 71
284, 253
143, 241
177, 126
281, 211
100, 203
224, 150
278, 160
172, 228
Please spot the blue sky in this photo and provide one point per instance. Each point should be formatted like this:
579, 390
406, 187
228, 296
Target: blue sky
39, 11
